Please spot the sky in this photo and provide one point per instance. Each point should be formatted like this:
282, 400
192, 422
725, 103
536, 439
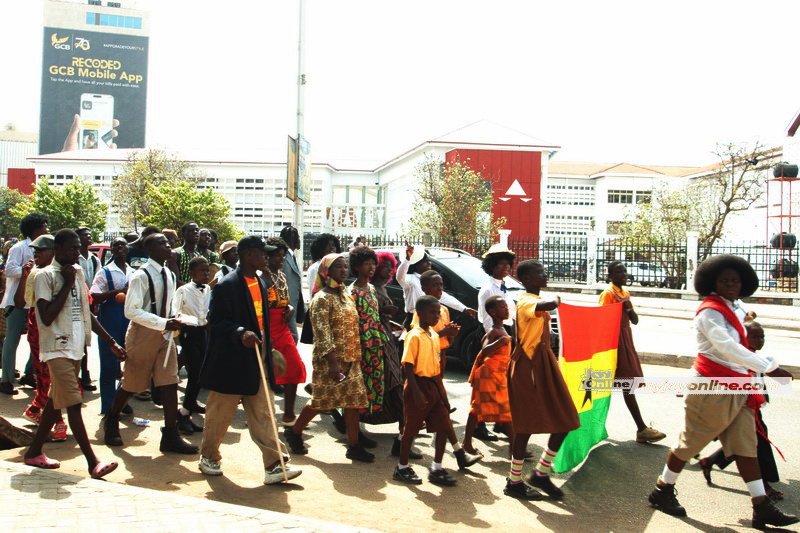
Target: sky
643, 82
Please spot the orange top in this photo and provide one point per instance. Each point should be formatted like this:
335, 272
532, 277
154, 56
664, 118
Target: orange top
614, 295
255, 292
530, 323
421, 349
444, 319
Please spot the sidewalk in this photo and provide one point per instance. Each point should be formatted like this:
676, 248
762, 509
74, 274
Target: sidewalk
32, 499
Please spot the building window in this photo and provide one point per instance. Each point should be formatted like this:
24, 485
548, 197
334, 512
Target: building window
617, 196
644, 197
118, 21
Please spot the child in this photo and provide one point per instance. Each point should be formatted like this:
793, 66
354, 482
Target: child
65, 327
423, 399
488, 376
628, 365
538, 396
766, 460
432, 284
43, 252
191, 305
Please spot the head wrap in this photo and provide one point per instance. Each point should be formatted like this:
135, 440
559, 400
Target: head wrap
323, 279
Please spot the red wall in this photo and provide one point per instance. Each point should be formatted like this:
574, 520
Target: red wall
21, 179
503, 167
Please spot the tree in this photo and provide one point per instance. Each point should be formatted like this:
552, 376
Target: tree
174, 202
146, 169
454, 202
9, 220
73, 205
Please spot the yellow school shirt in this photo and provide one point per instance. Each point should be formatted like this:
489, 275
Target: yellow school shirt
422, 350
444, 319
530, 322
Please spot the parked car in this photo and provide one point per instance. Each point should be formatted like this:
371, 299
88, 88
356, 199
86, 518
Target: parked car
463, 277
565, 271
103, 252
646, 274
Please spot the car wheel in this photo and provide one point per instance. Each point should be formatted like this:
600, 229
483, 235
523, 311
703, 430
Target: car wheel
470, 346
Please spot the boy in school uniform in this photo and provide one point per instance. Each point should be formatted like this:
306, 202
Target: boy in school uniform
423, 398
191, 303
65, 326
150, 353
538, 396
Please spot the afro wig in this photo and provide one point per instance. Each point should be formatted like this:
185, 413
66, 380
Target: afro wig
384, 258
360, 255
705, 277
492, 260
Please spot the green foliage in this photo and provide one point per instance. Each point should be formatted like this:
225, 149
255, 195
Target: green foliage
174, 202
70, 206
454, 202
144, 171
10, 199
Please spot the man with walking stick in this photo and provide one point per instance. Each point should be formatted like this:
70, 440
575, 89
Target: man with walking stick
233, 369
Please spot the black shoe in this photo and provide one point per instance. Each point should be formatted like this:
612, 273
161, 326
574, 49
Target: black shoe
184, 424
338, 421
365, 441
28, 380
406, 475
396, 443
521, 491
111, 435
197, 428
664, 498
441, 477
87, 385
466, 460
295, 442
358, 453
278, 389
127, 410
309, 388
172, 442
195, 408
546, 485
6, 387
482, 433
765, 513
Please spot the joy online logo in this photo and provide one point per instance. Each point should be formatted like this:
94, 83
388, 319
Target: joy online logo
60, 44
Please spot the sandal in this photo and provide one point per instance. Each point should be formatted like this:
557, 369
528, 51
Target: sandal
42, 461
288, 424
101, 469
705, 466
774, 495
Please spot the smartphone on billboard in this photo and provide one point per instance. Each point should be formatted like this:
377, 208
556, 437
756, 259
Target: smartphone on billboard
97, 117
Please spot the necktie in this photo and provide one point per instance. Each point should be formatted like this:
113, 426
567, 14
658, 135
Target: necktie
164, 293
503, 287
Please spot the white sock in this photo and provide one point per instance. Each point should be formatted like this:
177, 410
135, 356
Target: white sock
183, 411
668, 476
456, 446
399, 436
401, 467
756, 488
436, 466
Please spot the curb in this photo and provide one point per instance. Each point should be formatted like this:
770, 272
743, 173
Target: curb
683, 361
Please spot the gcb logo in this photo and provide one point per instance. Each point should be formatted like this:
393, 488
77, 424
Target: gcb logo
82, 43
60, 44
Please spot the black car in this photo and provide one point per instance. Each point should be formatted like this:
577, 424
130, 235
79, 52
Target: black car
463, 278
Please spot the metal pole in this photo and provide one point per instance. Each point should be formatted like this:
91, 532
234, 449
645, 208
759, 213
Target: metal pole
301, 82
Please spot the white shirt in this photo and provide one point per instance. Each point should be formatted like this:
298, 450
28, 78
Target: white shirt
138, 304
190, 300
89, 265
223, 271
119, 278
73, 348
489, 289
718, 340
18, 255
412, 289
311, 275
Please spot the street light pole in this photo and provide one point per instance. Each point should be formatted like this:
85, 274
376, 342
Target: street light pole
301, 83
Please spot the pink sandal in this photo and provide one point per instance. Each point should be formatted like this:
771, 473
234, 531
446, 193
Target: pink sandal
102, 469
42, 461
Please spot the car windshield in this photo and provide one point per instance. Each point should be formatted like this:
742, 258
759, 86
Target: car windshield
469, 268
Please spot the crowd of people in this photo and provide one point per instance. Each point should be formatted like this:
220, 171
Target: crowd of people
230, 317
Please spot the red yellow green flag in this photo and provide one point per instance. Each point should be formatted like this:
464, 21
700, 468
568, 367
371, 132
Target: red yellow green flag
589, 338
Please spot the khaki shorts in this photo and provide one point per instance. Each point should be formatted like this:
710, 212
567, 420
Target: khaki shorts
149, 355
717, 415
64, 388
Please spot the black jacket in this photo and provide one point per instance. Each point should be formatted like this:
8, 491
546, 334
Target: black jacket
229, 367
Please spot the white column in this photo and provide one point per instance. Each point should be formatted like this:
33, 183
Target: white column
691, 257
591, 258
503, 235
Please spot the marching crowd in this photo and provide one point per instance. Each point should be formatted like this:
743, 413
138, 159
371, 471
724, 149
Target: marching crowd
229, 315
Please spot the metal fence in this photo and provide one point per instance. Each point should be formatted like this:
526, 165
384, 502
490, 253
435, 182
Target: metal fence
777, 269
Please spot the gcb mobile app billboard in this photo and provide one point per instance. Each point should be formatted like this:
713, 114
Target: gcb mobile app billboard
94, 90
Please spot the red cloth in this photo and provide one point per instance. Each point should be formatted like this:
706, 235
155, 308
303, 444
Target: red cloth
718, 304
283, 341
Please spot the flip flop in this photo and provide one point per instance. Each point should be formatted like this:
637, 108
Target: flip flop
775, 495
102, 469
42, 461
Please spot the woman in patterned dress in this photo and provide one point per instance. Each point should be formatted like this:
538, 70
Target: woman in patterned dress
336, 359
280, 312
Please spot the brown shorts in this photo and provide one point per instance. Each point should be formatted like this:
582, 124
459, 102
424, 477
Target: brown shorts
64, 388
436, 414
149, 355
724, 415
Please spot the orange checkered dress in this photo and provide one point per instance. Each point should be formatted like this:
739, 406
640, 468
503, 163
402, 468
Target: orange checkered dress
490, 387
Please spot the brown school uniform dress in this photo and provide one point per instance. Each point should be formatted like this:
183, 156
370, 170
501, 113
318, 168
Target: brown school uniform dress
538, 396
422, 350
628, 364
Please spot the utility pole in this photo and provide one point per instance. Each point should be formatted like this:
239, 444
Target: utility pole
301, 85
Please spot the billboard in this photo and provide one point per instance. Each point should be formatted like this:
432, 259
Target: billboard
94, 90
303, 170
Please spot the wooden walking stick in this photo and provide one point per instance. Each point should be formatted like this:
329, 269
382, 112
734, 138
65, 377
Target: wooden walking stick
271, 407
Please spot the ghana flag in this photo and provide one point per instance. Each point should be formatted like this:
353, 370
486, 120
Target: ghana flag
589, 337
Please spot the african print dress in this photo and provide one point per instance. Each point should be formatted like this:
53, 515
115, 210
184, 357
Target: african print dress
373, 340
